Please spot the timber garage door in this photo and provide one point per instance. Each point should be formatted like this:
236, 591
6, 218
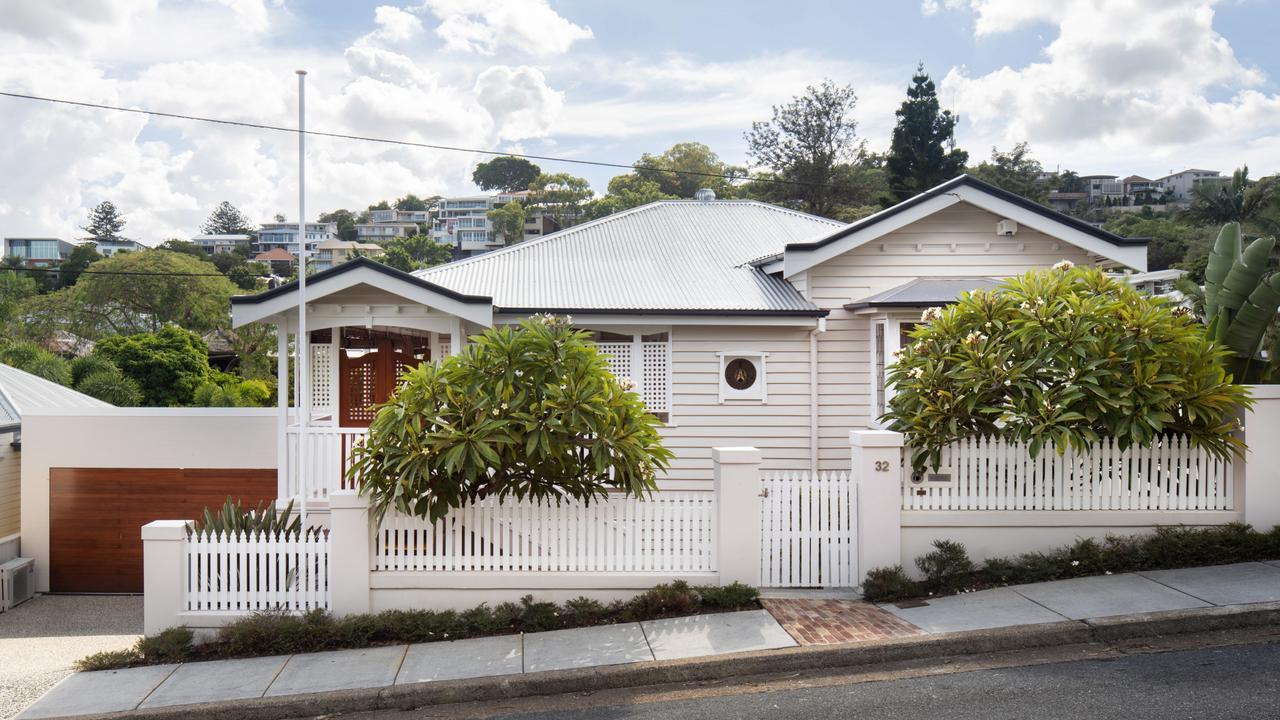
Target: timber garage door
96, 517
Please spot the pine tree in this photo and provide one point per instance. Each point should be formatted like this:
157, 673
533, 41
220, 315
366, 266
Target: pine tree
105, 222
923, 153
226, 220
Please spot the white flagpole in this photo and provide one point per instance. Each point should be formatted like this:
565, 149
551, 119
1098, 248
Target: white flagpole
304, 341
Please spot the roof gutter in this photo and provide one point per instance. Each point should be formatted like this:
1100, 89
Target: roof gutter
814, 313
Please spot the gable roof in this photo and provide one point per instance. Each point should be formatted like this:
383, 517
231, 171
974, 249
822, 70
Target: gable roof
22, 392
799, 256
274, 255
671, 256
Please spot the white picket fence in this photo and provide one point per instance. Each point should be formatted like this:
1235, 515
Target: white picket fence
670, 532
808, 530
326, 456
997, 474
246, 573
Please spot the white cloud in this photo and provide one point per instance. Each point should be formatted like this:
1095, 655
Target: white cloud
396, 25
485, 26
251, 15
1137, 82
519, 100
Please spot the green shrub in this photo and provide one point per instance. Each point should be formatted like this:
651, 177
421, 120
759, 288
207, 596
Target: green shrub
727, 597
169, 646
947, 567
887, 584
111, 386
278, 633
583, 611
109, 660
538, 616
666, 600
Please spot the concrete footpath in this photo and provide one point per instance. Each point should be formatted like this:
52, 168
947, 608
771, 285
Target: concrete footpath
696, 648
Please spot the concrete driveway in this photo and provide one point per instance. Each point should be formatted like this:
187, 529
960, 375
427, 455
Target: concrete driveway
41, 638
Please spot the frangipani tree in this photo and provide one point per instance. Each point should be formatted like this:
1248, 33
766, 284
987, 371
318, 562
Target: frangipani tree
1062, 357
522, 412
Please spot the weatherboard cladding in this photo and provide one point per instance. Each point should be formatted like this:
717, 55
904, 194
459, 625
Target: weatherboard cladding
679, 256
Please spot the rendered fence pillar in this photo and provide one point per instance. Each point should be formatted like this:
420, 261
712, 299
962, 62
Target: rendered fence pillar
737, 487
164, 547
1262, 461
877, 468
349, 553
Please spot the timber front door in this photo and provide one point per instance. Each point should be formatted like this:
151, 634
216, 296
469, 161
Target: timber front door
369, 378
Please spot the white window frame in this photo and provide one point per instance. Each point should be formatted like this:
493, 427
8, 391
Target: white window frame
892, 325
758, 392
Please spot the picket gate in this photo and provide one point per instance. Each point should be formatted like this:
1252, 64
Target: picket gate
808, 530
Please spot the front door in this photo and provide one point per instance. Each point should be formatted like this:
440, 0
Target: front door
368, 379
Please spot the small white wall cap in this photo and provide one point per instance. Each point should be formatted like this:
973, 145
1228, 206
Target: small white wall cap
344, 499
735, 455
876, 438
165, 530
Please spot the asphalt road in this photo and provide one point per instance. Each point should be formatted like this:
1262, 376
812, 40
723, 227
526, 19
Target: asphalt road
1241, 681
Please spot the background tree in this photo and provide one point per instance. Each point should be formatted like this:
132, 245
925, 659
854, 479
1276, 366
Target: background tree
15, 290
560, 196
527, 413
168, 365
505, 174
1016, 171
226, 220
413, 202
105, 222
80, 258
625, 192
186, 247
144, 291
805, 141
1171, 240
508, 221
346, 222
923, 152
1069, 181
686, 168
416, 252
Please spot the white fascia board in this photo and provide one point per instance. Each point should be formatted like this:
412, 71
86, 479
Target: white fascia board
243, 314
1134, 256
797, 261
593, 319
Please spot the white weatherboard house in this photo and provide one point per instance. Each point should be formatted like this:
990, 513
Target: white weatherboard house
740, 322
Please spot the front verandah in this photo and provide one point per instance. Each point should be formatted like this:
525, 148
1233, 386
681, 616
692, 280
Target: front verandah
364, 324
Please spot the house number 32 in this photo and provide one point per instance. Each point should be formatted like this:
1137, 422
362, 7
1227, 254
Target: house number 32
882, 466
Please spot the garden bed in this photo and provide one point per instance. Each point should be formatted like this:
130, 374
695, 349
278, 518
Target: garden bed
947, 569
265, 634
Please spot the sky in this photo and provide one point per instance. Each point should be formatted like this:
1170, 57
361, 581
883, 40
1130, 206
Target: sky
1098, 86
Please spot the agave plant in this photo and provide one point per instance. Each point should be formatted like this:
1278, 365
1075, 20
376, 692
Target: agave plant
232, 519
1240, 303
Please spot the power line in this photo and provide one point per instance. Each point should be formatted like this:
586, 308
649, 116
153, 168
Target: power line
407, 143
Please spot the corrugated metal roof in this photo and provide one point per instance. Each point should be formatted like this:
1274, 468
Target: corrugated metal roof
678, 255
22, 392
926, 291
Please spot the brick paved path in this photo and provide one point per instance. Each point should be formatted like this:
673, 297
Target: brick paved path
828, 622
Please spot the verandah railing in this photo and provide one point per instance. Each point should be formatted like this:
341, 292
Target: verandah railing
669, 532
254, 572
326, 457
988, 473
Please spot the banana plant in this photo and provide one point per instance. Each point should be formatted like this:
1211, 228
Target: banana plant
1240, 303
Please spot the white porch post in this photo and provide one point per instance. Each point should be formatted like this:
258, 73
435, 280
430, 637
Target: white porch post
1258, 472
457, 338
877, 469
282, 407
737, 493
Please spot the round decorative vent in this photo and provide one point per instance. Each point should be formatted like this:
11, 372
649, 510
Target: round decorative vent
740, 373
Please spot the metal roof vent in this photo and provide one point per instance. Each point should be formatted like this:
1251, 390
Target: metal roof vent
705, 195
